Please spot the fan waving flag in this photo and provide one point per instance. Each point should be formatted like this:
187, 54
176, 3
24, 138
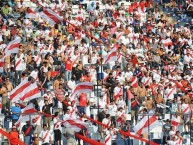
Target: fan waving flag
25, 91
13, 46
31, 93
85, 87
75, 124
51, 17
167, 42
31, 14
111, 56
15, 93
29, 109
145, 123
24, 118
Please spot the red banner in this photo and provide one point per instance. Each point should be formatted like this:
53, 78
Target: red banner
137, 137
88, 140
11, 138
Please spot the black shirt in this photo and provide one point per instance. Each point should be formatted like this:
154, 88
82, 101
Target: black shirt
46, 108
25, 127
101, 116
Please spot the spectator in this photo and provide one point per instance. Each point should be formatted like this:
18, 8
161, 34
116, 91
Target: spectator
27, 131
45, 136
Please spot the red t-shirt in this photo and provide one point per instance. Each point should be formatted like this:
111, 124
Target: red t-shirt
83, 99
69, 65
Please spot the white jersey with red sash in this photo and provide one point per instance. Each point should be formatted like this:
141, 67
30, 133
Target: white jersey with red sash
179, 142
57, 123
117, 92
170, 93
108, 139
134, 82
146, 81
45, 135
121, 116
186, 108
37, 59
18, 64
106, 122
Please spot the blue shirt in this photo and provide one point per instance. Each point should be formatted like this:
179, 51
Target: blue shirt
16, 111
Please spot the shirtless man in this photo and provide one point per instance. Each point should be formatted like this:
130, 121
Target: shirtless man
56, 84
142, 93
5, 100
149, 104
159, 100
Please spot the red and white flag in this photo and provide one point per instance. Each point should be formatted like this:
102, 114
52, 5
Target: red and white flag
108, 140
111, 56
24, 118
146, 122
31, 14
30, 93
51, 17
85, 87
13, 46
16, 92
29, 109
75, 124
1, 65
25, 91
167, 42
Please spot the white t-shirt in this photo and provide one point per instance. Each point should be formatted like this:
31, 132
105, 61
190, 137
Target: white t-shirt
45, 135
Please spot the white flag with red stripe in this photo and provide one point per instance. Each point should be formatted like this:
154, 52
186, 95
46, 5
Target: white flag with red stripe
29, 109
24, 118
15, 93
25, 91
167, 42
31, 93
75, 124
85, 87
31, 14
13, 46
111, 56
1, 65
146, 122
108, 140
51, 17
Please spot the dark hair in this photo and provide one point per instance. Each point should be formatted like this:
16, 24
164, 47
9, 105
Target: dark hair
56, 114
44, 125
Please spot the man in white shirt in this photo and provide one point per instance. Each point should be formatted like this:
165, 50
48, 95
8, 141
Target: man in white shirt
45, 136
18, 68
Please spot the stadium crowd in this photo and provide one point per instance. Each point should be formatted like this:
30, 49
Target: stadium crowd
139, 58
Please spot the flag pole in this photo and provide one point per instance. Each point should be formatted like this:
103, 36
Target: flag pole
148, 130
